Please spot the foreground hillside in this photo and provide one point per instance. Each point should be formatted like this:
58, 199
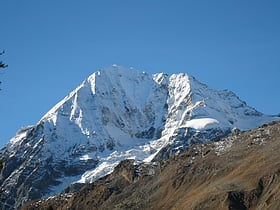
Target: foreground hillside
238, 172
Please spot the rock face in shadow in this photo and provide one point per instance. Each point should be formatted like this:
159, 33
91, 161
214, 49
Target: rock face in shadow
238, 172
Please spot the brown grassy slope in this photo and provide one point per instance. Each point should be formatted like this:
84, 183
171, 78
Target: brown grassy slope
239, 172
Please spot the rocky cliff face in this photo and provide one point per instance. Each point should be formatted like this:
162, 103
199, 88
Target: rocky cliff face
116, 114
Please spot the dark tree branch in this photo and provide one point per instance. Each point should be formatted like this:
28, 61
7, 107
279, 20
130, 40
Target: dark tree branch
3, 65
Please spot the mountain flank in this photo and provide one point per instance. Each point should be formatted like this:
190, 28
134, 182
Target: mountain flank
241, 171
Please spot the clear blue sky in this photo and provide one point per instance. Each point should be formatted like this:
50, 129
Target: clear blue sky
52, 46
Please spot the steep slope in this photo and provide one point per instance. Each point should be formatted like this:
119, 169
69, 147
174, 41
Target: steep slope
238, 172
116, 114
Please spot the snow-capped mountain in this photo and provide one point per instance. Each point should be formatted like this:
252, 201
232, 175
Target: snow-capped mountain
117, 113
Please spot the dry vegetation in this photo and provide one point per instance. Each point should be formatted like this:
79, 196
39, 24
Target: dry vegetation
238, 172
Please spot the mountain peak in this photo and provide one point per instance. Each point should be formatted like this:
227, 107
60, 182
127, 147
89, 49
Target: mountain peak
117, 113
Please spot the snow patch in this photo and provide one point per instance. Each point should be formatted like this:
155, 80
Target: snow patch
203, 123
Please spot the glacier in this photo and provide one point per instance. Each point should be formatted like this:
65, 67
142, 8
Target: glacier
117, 113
